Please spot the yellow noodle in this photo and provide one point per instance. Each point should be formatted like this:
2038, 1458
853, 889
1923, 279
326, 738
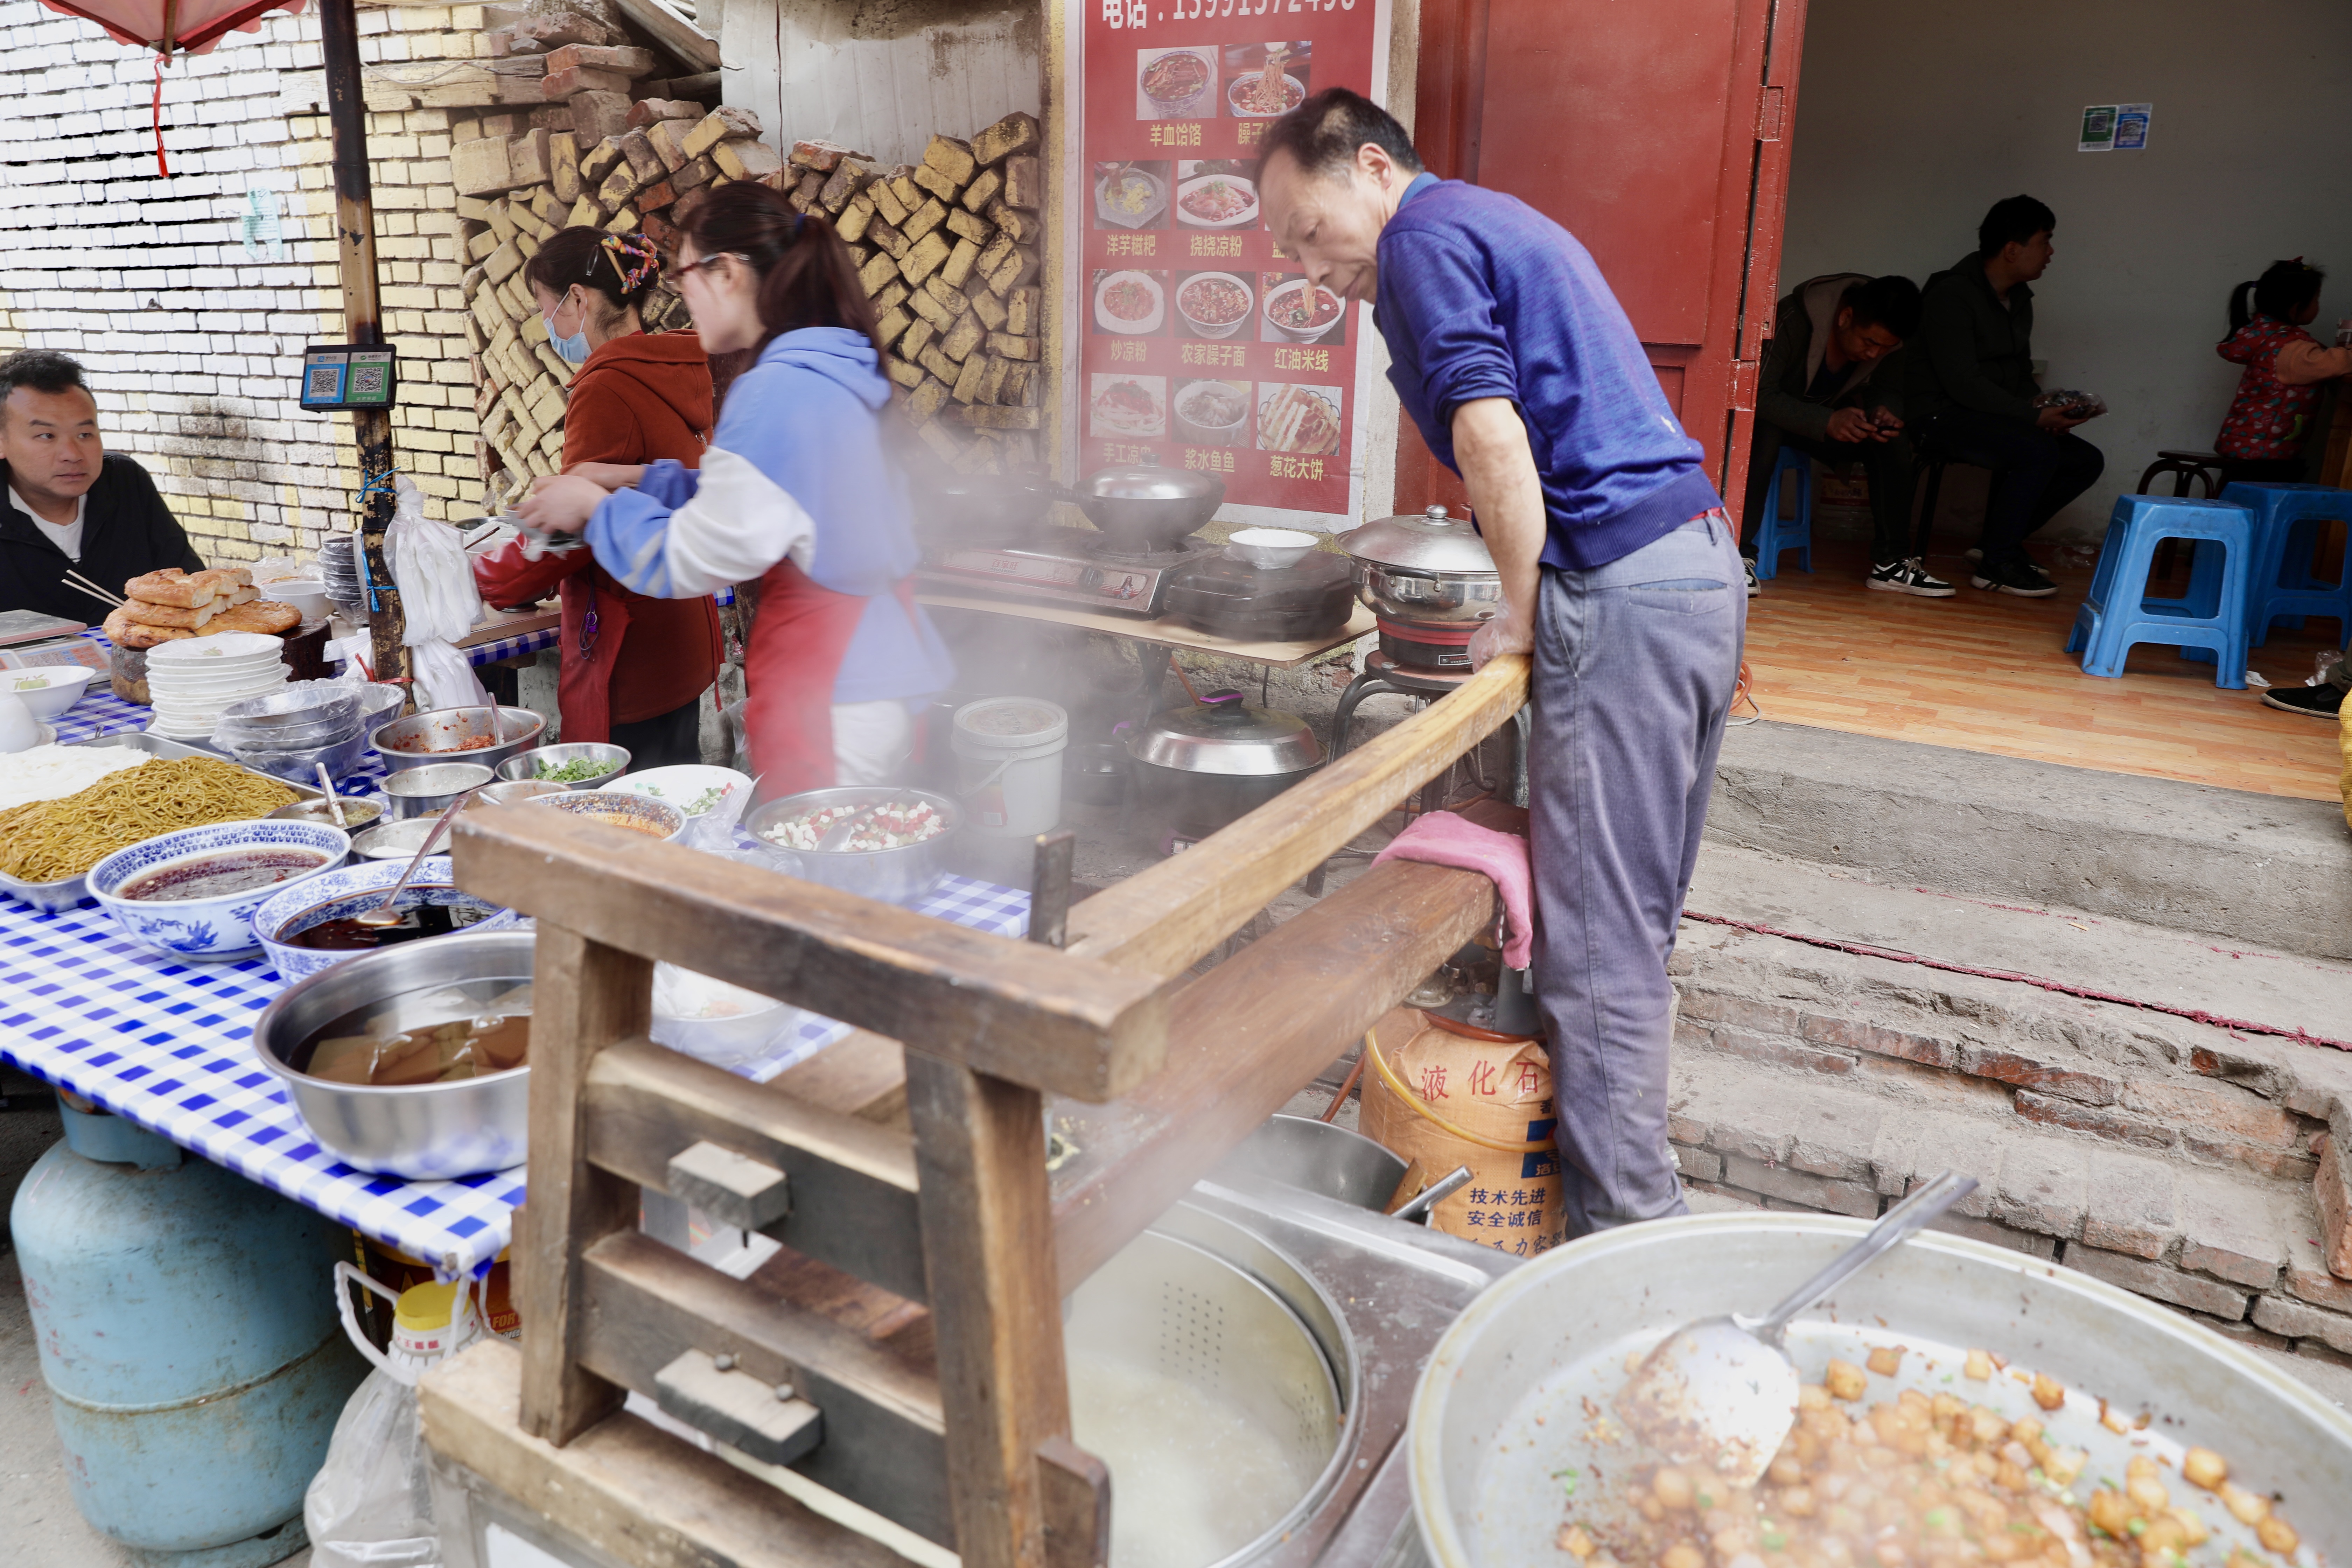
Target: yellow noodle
49, 839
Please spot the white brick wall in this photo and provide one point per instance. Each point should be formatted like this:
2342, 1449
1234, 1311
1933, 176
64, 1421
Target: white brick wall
193, 348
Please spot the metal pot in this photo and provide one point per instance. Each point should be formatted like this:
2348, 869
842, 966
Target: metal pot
1148, 507
1426, 571
990, 506
1199, 767
439, 735
898, 876
1551, 1341
426, 1132
1334, 1160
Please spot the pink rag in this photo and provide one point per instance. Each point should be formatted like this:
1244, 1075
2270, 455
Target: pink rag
1442, 839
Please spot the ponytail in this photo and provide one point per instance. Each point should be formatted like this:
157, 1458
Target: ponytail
2241, 312
807, 277
2283, 290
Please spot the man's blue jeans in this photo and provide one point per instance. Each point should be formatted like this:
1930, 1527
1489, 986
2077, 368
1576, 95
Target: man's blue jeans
1634, 667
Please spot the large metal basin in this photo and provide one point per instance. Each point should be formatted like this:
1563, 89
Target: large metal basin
484, 736
1557, 1333
420, 1132
1321, 1157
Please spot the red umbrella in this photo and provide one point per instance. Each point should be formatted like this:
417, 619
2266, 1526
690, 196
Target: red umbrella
189, 26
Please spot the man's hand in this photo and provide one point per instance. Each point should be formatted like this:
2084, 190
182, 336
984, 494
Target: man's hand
1498, 468
2058, 418
561, 503
1851, 425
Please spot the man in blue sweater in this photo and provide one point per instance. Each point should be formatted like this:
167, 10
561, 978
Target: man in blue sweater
1621, 571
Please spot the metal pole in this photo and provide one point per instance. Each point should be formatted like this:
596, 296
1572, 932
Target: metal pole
355, 251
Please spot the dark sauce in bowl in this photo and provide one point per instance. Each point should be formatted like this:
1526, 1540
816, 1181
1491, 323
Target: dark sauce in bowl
351, 936
218, 875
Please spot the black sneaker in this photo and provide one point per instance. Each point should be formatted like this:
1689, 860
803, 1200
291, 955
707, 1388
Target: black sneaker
1754, 587
2311, 701
1909, 577
2020, 576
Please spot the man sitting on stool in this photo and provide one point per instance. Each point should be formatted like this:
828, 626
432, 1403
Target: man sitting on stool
1819, 396
1969, 388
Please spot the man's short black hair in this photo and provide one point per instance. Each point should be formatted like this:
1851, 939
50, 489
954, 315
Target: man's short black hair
1891, 302
43, 370
1324, 132
2013, 220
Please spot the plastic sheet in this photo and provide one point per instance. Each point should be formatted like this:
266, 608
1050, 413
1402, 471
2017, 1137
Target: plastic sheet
437, 599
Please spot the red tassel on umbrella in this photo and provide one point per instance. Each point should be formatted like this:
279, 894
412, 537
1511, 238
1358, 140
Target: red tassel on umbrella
171, 26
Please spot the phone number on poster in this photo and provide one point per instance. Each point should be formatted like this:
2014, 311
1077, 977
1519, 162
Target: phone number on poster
1133, 14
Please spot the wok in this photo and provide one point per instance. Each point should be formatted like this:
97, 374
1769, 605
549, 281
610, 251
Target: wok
1148, 507
1496, 1414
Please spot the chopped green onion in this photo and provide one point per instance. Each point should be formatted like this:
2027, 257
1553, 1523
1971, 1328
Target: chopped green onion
2137, 1527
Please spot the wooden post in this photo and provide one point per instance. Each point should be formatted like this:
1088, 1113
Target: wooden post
585, 997
363, 323
988, 1247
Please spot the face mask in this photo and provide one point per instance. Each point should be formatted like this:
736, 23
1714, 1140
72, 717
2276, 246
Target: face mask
573, 350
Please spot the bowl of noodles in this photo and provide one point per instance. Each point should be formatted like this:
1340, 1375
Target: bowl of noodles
1301, 312
48, 846
1215, 304
1251, 96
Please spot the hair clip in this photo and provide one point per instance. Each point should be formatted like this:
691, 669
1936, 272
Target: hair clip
634, 259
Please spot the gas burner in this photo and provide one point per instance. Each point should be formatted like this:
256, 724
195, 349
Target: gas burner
1070, 567
1103, 547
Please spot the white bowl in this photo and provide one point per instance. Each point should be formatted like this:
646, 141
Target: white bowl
1288, 81
1271, 548
715, 1022
209, 929
1117, 324
1245, 219
1217, 329
215, 650
684, 784
1298, 334
308, 595
48, 690
350, 890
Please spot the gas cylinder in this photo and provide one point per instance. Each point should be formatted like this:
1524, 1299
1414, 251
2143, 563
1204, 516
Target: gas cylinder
194, 1363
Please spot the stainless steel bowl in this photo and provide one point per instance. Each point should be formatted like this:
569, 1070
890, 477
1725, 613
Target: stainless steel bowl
1553, 1340
894, 876
357, 814
507, 791
1336, 1161
427, 792
428, 1131
526, 765
424, 739
393, 840
1148, 506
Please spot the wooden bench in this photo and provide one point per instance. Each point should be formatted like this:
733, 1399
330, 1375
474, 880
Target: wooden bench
945, 1218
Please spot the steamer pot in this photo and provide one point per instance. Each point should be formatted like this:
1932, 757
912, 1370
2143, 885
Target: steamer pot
1431, 570
1199, 767
1558, 1331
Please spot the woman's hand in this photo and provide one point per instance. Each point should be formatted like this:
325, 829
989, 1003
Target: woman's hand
561, 503
611, 475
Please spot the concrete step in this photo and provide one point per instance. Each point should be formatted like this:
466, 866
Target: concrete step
2258, 869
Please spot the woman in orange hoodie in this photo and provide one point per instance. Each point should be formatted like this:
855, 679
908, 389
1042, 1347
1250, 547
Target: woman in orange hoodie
635, 668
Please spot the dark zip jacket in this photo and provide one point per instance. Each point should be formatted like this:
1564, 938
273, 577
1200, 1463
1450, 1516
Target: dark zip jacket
1972, 351
127, 531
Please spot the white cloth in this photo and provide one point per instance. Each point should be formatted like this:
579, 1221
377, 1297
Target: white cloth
65, 536
869, 740
737, 524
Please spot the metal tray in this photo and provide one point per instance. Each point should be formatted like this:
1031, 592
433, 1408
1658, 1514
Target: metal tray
65, 893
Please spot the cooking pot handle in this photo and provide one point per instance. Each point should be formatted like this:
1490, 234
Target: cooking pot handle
1226, 707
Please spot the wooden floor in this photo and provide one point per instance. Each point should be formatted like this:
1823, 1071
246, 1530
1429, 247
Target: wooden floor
1985, 672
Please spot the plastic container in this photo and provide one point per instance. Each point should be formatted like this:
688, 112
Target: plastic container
1008, 769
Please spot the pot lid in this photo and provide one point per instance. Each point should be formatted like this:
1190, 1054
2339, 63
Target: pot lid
1222, 734
1149, 481
1432, 542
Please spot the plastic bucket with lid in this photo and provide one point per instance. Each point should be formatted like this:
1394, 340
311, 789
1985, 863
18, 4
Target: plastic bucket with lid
1008, 765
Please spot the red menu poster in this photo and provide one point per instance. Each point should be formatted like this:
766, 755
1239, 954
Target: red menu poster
1199, 345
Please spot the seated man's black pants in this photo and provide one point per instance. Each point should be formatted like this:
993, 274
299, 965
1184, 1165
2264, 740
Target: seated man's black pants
2035, 471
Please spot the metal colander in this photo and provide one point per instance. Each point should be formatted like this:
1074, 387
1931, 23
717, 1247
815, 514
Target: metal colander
1198, 1382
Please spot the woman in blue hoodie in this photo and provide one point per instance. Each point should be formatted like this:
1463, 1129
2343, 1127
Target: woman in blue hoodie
799, 491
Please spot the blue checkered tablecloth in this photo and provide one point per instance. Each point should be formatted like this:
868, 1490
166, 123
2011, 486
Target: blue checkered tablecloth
169, 1046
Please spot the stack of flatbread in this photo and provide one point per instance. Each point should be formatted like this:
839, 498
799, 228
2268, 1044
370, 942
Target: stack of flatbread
168, 605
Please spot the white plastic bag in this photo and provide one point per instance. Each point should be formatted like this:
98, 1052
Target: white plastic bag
437, 600
368, 1506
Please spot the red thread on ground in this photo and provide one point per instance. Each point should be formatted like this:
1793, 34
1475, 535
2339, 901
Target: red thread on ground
1864, 950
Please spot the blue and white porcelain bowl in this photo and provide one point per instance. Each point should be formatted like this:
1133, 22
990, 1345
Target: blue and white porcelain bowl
216, 928
353, 890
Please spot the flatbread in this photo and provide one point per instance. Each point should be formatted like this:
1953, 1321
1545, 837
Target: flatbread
186, 590
123, 632
265, 616
151, 615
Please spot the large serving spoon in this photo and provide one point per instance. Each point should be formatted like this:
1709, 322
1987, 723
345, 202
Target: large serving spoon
385, 913
1721, 1394
334, 802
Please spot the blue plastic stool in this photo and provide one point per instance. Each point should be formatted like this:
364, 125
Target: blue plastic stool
2213, 616
1774, 532
2286, 522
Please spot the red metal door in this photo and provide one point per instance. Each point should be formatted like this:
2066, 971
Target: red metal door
1656, 135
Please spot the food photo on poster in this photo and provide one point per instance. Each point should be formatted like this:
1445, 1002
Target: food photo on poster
1175, 84
1121, 407
1265, 81
1213, 413
1131, 195
1213, 304
1295, 313
1128, 303
1220, 192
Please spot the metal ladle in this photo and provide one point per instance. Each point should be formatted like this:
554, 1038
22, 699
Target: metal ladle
1721, 1395
386, 914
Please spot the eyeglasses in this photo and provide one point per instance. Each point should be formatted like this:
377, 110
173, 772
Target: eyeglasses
713, 259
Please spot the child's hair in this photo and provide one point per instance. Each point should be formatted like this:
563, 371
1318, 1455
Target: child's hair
2278, 293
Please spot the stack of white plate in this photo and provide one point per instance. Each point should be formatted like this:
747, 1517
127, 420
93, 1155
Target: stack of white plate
191, 680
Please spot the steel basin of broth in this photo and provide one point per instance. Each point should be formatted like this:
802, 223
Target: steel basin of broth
218, 874
436, 1036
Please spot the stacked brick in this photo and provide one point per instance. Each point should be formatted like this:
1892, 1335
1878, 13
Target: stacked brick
947, 250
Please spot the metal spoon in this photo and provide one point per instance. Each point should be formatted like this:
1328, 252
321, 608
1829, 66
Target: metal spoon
1721, 1394
334, 802
385, 914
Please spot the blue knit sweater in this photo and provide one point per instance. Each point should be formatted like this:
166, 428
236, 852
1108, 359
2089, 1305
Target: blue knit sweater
1482, 295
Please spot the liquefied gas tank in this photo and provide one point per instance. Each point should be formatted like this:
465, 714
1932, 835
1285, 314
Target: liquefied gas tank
194, 1363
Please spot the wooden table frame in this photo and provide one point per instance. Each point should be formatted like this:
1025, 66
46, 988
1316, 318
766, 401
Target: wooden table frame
1151, 1078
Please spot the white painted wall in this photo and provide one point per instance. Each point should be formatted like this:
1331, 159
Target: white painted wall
1914, 116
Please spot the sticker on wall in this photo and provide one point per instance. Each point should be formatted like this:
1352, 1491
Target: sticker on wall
2099, 128
261, 227
2131, 126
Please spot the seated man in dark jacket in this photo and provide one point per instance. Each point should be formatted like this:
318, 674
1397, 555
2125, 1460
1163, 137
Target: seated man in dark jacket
70, 505
1970, 391
1821, 394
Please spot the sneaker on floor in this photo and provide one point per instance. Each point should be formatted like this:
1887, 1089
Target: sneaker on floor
2311, 701
2020, 578
1754, 587
1909, 577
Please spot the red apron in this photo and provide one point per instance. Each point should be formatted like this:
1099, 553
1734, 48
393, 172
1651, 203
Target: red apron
798, 638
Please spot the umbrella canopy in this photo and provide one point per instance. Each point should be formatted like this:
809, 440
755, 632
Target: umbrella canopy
169, 26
